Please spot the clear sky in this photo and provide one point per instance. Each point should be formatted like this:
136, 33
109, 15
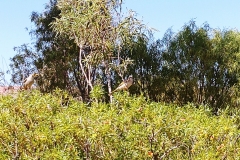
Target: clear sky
159, 14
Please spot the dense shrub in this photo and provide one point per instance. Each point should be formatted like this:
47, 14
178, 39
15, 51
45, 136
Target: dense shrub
37, 126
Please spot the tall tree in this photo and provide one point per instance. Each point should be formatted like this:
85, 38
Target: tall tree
22, 64
54, 57
99, 31
146, 61
199, 65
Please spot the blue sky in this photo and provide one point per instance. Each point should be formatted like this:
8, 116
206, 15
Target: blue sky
163, 14
159, 14
14, 19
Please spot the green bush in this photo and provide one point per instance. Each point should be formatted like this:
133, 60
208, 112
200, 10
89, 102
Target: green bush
37, 126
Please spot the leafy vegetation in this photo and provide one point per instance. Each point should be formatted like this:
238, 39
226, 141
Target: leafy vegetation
195, 66
37, 126
83, 44
85, 48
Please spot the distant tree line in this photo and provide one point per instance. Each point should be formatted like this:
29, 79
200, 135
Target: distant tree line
82, 44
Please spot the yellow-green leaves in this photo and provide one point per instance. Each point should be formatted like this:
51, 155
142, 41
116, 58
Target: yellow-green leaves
37, 126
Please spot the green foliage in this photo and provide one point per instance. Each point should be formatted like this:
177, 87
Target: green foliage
22, 63
97, 94
35, 126
82, 43
54, 58
197, 65
101, 31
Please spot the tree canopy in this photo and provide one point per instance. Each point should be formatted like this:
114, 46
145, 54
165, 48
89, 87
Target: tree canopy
82, 44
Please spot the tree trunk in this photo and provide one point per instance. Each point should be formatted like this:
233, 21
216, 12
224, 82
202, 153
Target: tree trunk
88, 78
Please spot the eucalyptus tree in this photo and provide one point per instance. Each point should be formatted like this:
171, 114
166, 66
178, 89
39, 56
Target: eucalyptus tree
100, 31
54, 53
54, 57
187, 59
224, 79
146, 58
22, 64
200, 65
